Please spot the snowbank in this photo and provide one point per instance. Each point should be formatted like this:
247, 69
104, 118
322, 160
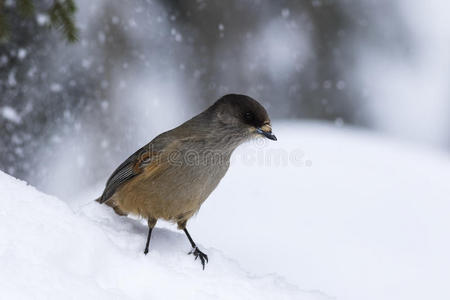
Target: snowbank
49, 252
357, 215
349, 213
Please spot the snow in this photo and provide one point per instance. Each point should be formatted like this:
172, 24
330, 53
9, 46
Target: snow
407, 94
368, 218
12, 78
177, 35
283, 46
48, 251
342, 211
55, 87
42, 19
10, 114
21, 53
285, 12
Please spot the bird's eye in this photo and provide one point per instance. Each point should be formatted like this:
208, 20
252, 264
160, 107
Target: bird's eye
248, 116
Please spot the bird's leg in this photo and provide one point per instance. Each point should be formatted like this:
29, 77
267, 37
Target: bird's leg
148, 240
151, 223
197, 253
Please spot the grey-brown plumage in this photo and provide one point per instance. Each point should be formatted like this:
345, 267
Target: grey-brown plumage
170, 177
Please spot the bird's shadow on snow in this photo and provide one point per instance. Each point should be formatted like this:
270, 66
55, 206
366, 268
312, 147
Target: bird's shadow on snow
162, 239
129, 232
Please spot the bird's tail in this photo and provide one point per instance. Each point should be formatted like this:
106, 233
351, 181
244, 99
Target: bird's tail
111, 204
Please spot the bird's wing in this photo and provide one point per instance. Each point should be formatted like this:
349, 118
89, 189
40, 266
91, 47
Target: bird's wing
130, 168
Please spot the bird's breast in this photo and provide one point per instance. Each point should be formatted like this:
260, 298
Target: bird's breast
175, 188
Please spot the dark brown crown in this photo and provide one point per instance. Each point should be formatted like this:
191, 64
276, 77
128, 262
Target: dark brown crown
244, 108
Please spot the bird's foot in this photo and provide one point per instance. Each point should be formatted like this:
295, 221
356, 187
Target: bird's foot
199, 254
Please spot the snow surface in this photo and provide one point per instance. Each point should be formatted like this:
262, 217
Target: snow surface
346, 212
47, 251
368, 219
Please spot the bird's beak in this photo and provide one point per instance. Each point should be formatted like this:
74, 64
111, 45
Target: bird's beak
266, 130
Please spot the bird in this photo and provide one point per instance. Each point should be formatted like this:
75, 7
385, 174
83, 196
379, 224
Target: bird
171, 176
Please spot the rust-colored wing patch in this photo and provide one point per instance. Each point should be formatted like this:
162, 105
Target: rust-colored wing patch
129, 169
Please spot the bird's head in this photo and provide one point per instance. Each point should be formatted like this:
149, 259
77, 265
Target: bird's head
244, 116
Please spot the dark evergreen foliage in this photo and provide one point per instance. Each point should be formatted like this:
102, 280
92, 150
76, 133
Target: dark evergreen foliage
61, 14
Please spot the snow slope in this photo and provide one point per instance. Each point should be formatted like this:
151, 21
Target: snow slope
47, 251
342, 211
359, 216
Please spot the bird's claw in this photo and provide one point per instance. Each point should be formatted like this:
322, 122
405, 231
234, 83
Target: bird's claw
199, 254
